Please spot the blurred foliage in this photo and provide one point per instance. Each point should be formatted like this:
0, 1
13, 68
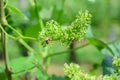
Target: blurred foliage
24, 16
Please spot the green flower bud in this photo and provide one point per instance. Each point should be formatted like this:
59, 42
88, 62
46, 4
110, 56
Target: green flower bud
74, 72
75, 31
116, 61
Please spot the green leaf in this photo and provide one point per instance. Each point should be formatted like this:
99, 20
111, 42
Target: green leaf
115, 47
104, 48
108, 68
21, 64
41, 76
100, 45
96, 42
32, 31
24, 64
17, 11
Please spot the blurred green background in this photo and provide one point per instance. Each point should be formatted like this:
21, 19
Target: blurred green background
105, 26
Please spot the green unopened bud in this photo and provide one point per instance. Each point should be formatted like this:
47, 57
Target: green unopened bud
116, 61
74, 72
75, 31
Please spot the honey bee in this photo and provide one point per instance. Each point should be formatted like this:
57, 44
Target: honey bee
48, 39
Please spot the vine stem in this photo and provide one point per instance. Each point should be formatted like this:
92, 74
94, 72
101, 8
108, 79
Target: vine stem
27, 46
20, 35
3, 22
63, 52
5, 54
20, 40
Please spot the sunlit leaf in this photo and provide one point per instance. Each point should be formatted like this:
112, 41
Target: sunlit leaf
32, 31
41, 76
24, 64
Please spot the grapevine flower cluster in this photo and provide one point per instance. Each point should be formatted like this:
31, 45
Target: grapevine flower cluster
76, 31
74, 72
116, 62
